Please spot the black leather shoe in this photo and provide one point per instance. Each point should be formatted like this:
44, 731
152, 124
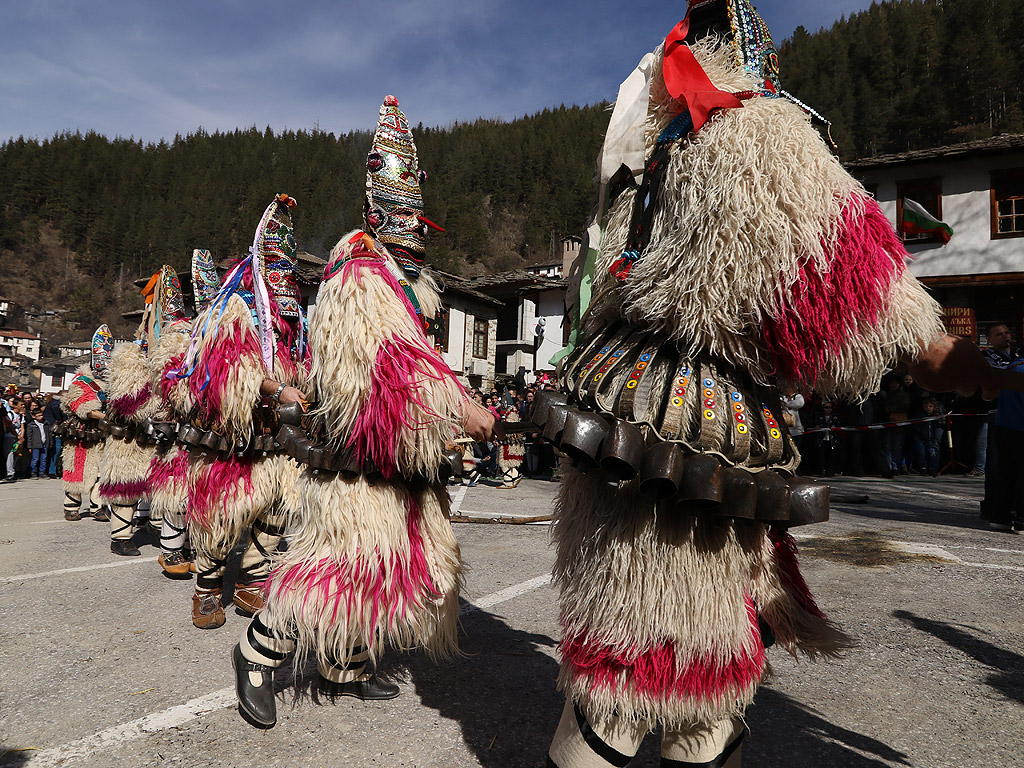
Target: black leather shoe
124, 547
256, 700
373, 689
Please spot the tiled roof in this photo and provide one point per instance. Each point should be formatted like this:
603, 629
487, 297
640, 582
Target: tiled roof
517, 279
1003, 143
73, 361
460, 285
17, 334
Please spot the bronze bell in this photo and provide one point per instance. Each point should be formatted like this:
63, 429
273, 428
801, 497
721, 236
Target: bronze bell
542, 402
582, 437
116, 430
808, 501
209, 440
287, 435
622, 453
269, 444
662, 472
772, 497
344, 463
739, 494
165, 430
300, 449
372, 472
319, 458
290, 413
103, 425
555, 424
703, 481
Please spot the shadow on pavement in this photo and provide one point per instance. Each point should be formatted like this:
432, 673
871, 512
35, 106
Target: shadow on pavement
784, 732
1008, 677
501, 693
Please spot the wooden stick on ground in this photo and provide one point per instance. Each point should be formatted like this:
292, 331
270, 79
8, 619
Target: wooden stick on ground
503, 520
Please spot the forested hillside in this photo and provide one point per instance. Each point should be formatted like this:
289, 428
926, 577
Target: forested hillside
913, 74
898, 76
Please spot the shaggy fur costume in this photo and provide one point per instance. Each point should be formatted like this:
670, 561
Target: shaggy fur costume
124, 471
372, 563
766, 256
225, 496
168, 469
81, 463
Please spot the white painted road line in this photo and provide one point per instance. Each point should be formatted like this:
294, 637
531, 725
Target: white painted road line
80, 569
177, 716
460, 494
48, 522
507, 594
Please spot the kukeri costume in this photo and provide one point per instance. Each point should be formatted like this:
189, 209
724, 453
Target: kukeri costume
83, 438
168, 471
133, 402
371, 556
744, 261
237, 482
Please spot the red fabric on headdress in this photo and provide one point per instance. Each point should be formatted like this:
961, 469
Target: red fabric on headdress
687, 81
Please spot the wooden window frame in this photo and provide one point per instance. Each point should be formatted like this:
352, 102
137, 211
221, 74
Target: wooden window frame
901, 190
478, 333
995, 177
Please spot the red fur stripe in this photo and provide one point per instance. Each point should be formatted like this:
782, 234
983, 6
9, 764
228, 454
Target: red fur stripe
215, 485
127, 405
76, 473
124, 491
824, 308
388, 585
162, 473
86, 397
235, 342
399, 374
658, 672
789, 571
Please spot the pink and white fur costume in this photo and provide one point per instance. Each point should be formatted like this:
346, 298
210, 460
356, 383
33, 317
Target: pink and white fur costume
370, 563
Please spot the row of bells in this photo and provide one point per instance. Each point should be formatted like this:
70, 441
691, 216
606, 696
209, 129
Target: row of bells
668, 472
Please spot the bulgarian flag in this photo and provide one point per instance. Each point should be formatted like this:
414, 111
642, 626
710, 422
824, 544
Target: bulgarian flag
917, 221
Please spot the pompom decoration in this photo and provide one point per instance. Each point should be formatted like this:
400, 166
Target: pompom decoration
423, 177
374, 162
390, 101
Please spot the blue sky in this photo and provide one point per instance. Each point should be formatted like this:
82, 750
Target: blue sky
153, 69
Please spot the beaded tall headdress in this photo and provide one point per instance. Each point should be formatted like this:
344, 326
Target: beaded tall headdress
102, 348
393, 211
742, 25
205, 282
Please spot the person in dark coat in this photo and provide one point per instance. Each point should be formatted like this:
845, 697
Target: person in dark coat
37, 438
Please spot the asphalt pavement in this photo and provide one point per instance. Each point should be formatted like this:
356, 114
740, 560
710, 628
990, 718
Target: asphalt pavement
101, 666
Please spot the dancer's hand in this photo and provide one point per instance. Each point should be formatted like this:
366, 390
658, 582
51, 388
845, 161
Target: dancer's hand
477, 421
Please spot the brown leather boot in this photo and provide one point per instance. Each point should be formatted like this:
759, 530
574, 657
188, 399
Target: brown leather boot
249, 597
207, 611
174, 564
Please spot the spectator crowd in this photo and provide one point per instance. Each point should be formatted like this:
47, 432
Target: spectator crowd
30, 449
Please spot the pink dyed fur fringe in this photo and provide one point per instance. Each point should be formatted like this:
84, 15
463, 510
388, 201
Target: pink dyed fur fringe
127, 405
825, 308
656, 672
789, 571
128, 490
215, 485
341, 585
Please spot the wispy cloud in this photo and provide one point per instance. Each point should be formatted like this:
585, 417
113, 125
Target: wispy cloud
152, 70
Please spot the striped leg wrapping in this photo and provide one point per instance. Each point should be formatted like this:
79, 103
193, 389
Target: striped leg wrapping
209, 570
578, 743
717, 746
71, 502
346, 672
94, 500
121, 521
260, 645
264, 537
173, 529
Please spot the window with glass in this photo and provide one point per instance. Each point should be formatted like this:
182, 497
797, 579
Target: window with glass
1008, 203
479, 338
